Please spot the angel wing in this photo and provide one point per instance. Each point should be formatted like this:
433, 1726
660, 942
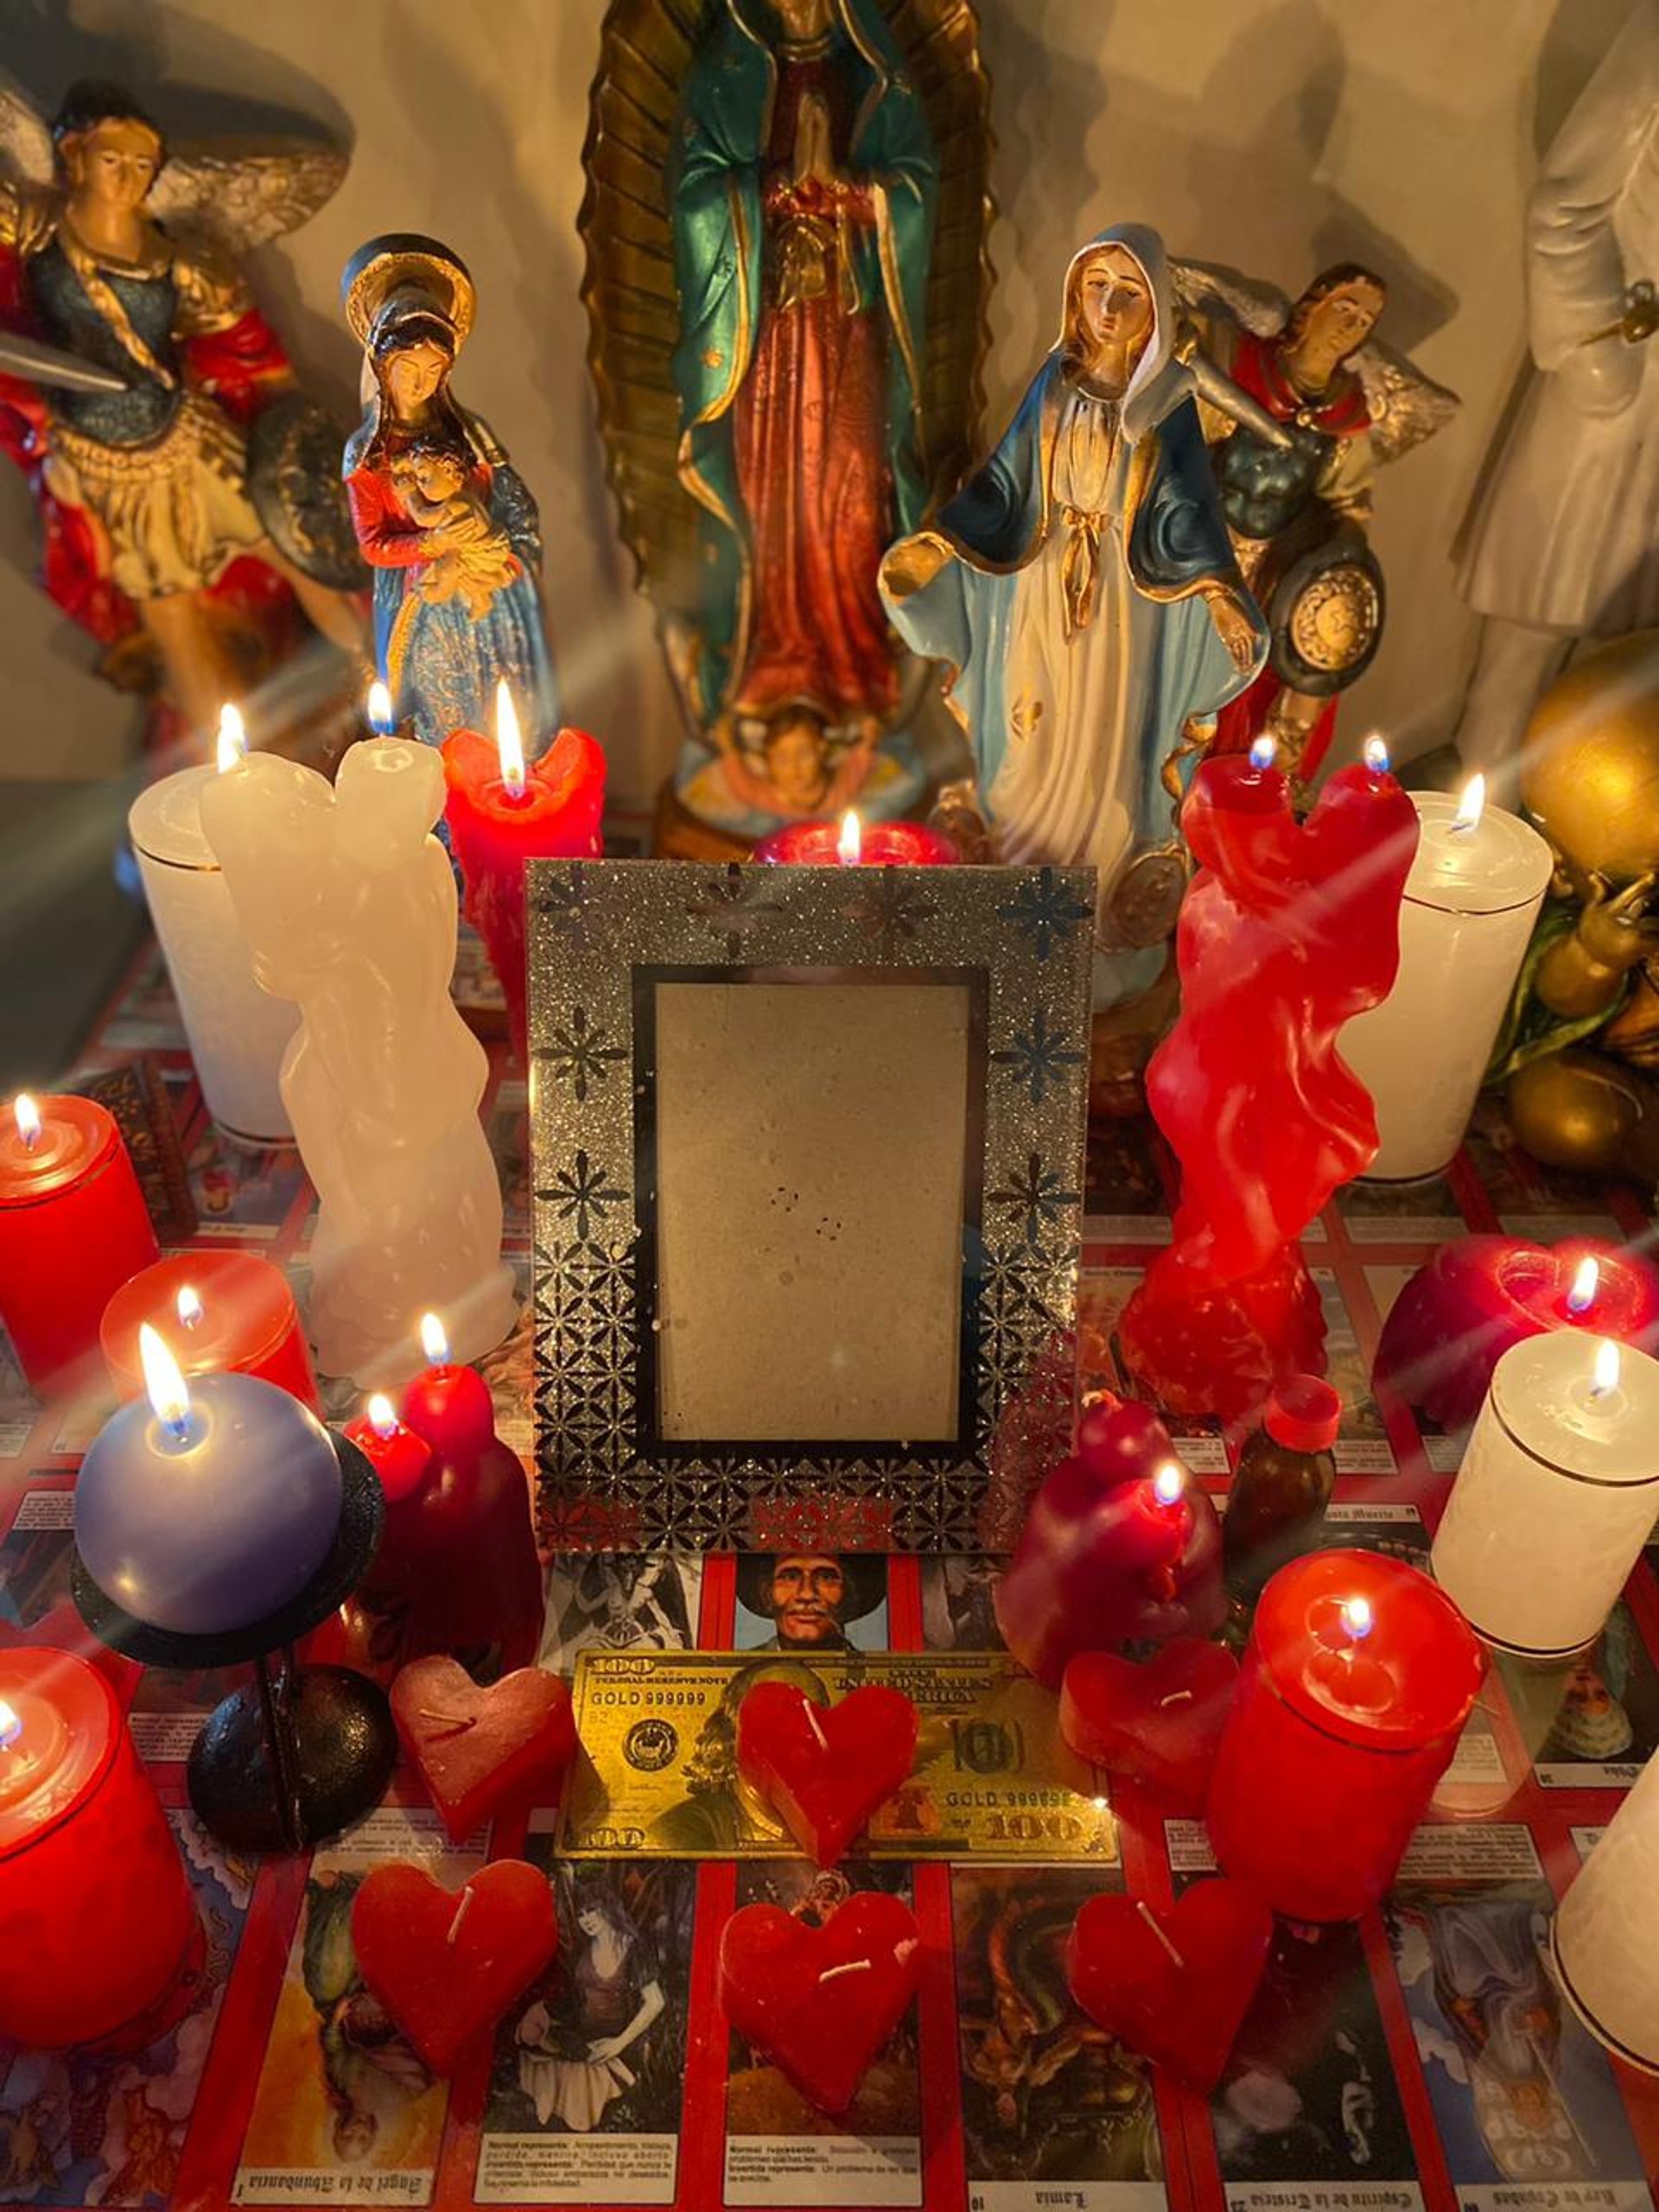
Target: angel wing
1211, 289
25, 141
1405, 405
628, 286
239, 193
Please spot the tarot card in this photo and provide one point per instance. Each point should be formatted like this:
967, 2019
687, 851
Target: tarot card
243, 1196
958, 1613
618, 1601
1124, 1201
76, 2129
588, 2083
1053, 2111
147, 1018
811, 1602
168, 1707
19, 1407
1531, 1200
778, 2149
137, 1094
1524, 2102
345, 2112
1422, 1212
1363, 1447
508, 1133
34, 1562
1591, 1722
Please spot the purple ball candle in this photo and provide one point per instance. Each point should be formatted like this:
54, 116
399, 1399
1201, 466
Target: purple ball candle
205, 1508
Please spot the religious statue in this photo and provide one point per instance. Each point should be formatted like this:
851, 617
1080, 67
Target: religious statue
1579, 1054
348, 905
446, 523
785, 226
1297, 509
1083, 593
182, 481
1564, 543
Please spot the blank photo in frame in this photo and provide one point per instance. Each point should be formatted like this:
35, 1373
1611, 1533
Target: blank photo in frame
807, 1150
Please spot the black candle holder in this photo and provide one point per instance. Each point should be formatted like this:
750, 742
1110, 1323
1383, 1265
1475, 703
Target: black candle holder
302, 1751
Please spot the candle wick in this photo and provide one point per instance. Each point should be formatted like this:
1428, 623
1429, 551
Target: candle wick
812, 1723
1176, 1697
853, 1966
460, 1914
1157, 1928
458, 1721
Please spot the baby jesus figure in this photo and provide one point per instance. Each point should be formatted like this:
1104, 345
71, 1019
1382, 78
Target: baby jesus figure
474, 559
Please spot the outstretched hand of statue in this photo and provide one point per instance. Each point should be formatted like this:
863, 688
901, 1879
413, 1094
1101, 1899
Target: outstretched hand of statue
1234, 629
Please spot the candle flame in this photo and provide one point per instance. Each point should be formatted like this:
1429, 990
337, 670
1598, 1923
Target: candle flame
1606, 1369
850, 844
28, 1115
382, 1415
233, 747
377, 709
1169, 1482
1586, 1282
10, 1727
164, 1383
433, 1343
1262, 752
508, 743
188, 1303
1375, 754
1471, 804
1358, 1617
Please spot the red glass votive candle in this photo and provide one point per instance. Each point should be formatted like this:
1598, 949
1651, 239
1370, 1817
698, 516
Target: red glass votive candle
96, 1918
865, 844
1358, 1681
72, 1228
221, 1313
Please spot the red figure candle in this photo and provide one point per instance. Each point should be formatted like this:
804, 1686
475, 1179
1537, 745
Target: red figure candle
1119, 1545
1358, 1678
852, 843
72, 1228
98, 1924
502, 814
221, 1313
1288, 930
1457, 1316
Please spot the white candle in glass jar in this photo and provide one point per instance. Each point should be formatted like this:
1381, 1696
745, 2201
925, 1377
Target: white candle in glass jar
1606, 1933
1556, 1494
237, 1034
1472, 898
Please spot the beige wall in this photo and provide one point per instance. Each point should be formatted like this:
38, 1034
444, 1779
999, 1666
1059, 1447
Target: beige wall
1275, 134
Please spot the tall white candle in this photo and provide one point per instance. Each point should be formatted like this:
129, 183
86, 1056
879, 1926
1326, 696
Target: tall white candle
349, 904
1606, 1934
1472, 898
238, 1032
1556, 1493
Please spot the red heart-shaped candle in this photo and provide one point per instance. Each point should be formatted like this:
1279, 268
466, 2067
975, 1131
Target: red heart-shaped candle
1173, 1985
1159, 1722
821, 2002
446, 1964
480, 1749
824, 1769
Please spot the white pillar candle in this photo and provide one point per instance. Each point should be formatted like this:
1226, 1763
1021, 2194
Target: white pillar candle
1472, 898
1606, 1934
1557, 1492
238, 1032
349, 904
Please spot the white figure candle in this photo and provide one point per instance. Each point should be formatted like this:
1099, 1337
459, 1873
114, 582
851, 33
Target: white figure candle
1606, 1933
238, 1032
1472, 898
1557, 1492
349, 904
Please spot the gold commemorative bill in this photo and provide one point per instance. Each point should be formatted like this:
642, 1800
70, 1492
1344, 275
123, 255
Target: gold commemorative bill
658, 1770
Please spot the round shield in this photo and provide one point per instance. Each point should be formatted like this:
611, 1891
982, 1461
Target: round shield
294, 481
1325, 614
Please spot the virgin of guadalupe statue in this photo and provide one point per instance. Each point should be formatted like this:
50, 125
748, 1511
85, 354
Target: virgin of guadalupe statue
446, 523
187, 504
785, 225
1083, 593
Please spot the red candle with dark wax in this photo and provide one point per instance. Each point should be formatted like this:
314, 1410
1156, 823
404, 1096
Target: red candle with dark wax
1289, 930
221, 1313
1119, 1546
73, 1226
1478, 1295
502, 814
852, 843
1358, 1678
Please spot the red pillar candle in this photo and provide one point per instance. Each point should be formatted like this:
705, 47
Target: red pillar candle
1478, 1295
72, 1228
221, 1313
502, 814
1288, 930
1119, 1546
852, 843
97, 1919
1358, 1678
